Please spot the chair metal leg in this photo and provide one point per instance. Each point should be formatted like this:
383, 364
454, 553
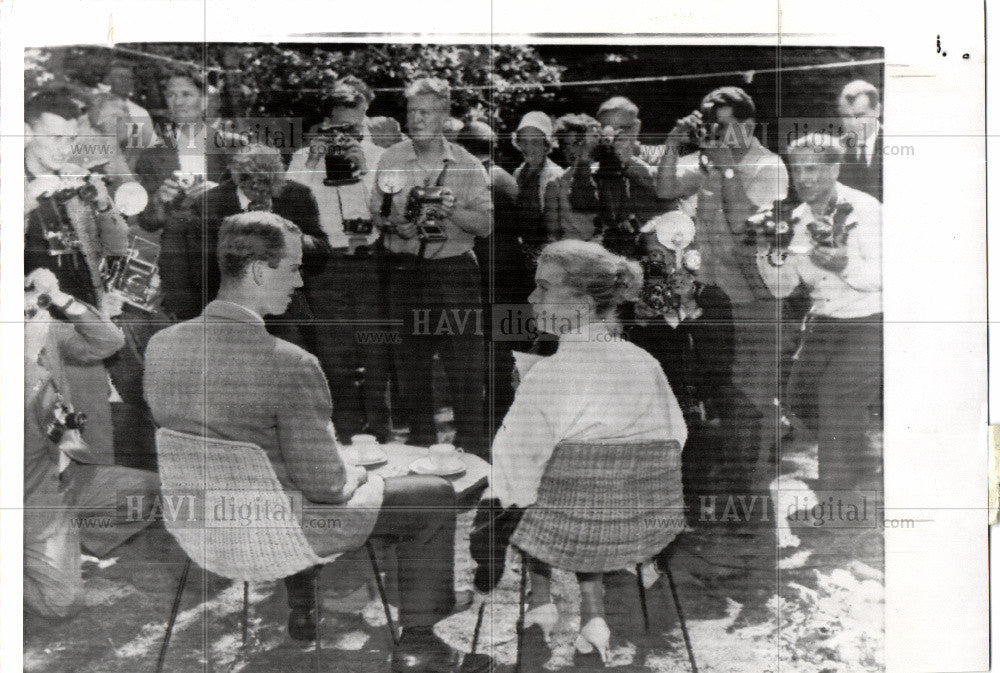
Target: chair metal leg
479, 626
173, 615
381, 593
680, 617
245, 617
642, 596
319, 621
523, 595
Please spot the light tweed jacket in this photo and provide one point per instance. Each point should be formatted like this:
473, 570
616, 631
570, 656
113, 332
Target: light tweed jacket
222, 375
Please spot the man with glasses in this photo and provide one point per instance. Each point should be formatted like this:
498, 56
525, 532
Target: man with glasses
345, 297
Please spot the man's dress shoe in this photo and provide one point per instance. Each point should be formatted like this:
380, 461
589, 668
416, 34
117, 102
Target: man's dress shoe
302, 624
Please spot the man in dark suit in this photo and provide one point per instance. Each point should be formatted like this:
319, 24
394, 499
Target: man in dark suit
188, 269
222, 375
859, 110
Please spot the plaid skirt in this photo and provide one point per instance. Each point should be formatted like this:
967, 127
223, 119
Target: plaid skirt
604, 507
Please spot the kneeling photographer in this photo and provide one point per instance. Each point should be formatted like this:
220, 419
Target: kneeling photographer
431, 200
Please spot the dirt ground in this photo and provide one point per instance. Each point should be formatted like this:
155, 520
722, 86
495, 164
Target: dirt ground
749, 606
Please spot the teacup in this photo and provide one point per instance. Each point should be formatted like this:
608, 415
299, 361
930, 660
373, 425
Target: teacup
444, 456
366, 447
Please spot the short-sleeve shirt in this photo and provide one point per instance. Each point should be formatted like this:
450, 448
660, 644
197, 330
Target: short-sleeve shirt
465, 176
727, 261
338, 203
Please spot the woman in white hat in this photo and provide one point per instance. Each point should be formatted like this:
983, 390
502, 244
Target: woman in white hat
534, 139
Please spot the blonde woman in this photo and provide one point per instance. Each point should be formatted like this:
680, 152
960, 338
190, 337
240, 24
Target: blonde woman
596, 389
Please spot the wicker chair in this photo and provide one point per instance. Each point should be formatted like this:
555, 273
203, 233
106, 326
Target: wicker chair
260, 550
603, 507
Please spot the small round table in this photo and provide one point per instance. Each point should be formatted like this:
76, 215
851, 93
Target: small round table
468, 485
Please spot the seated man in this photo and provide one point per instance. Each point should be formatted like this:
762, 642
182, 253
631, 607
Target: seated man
222, 375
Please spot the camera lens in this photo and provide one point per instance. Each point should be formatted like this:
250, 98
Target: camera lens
76, 420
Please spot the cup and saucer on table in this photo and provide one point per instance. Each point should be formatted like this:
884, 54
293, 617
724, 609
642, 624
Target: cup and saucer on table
365, 451
442, 460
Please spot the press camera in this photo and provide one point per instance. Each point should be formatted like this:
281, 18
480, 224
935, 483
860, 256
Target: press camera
424, 208
340, 169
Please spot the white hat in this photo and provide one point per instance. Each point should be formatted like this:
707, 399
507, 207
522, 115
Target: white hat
674, 230
540, 121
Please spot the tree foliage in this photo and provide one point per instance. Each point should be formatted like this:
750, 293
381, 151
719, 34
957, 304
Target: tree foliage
294, 79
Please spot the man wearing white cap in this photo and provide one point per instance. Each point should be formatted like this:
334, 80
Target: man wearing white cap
534, 139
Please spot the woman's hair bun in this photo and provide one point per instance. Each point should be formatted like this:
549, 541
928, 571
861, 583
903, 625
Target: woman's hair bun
628, 280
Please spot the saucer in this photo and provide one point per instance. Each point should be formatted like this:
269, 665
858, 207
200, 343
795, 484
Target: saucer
425, 466
352, 457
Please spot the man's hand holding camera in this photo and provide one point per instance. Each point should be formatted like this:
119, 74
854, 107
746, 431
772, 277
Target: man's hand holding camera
831, 258
687, 130
445, 208
178, 189
348, 146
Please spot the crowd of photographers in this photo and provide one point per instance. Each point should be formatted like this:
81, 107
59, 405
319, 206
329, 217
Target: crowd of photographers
411, 242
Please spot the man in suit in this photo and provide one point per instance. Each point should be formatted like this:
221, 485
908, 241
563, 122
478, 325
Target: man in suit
188, 270
222, 375
859, 110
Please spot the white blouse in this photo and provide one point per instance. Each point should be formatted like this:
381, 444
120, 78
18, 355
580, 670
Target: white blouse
602, 390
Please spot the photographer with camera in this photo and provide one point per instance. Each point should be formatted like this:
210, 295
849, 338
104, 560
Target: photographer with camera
73, 229
338, 166
571, 200
608, 192
62, 485
835, 253
188, 164
188, 266
731, 175
432, 199
727, 178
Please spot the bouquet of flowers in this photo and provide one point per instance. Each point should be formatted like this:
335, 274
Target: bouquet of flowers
669, 268
776, 226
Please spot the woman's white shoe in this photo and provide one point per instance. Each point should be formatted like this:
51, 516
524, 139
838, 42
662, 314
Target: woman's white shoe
595, 634
544, 616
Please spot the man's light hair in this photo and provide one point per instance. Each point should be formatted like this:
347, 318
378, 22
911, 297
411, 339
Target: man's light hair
823, 146
257, 158
249, 237
430, 86
859, 87
618, 104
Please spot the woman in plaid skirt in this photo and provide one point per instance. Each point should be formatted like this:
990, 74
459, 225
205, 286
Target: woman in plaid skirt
598, 389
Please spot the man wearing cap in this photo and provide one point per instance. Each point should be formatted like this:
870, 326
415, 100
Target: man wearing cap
534, 139
344, 297
431, 201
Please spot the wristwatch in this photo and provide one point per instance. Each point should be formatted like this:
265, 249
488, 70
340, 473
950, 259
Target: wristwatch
729, 173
